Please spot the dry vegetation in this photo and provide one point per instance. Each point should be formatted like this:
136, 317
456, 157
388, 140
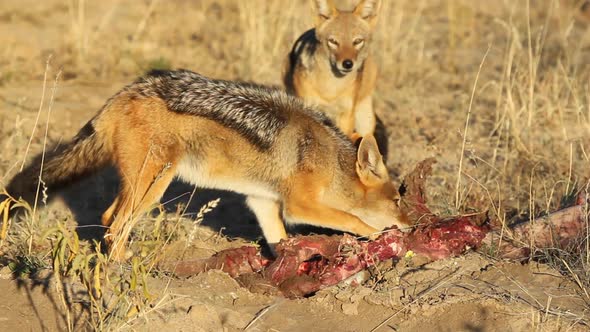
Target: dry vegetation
497, 91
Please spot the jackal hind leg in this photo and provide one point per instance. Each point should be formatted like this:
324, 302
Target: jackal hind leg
142, 184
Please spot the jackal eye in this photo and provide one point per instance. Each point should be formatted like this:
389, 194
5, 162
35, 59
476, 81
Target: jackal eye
332, 42
358, 42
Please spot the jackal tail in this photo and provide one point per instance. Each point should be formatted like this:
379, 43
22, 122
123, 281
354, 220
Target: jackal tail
68, 163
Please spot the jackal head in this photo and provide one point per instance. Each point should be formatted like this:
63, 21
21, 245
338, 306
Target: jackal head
345, 36
376, 200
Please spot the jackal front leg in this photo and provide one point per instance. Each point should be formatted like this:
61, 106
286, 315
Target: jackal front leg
268, 213
364, 115
346, 123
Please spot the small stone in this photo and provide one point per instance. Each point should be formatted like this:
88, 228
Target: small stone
5, 273
350, 309
343, 295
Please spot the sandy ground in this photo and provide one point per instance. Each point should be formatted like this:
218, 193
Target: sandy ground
430, 53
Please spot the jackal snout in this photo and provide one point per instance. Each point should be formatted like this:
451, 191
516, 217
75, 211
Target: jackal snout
346, 58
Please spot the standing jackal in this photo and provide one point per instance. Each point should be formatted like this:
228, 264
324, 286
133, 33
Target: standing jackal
331, 66
289, 160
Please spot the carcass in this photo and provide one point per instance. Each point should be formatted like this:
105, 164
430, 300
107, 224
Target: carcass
305, 264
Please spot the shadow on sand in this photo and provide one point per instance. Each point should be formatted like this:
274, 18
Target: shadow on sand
89, 198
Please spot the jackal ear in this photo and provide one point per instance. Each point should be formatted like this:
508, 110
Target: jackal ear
368, 10
369, 163
325, 9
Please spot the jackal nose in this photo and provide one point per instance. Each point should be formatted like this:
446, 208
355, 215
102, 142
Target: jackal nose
347, 64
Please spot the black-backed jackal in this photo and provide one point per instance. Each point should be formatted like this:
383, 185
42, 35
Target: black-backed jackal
289, 160
331, 66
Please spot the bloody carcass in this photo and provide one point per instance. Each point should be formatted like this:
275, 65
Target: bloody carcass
305, 264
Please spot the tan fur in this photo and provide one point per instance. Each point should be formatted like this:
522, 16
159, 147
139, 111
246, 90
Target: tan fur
305, 204
324, 184
345, 97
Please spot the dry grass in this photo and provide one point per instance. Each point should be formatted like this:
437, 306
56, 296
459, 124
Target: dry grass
522, 150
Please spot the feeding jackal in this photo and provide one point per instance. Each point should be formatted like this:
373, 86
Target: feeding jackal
289, 160
331, 66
